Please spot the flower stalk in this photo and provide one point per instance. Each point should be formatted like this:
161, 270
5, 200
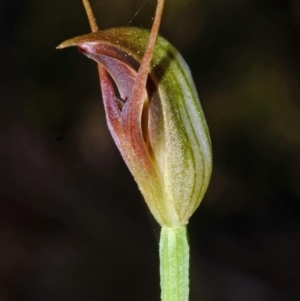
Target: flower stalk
174, 264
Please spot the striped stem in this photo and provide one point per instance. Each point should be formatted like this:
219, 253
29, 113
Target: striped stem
174, 264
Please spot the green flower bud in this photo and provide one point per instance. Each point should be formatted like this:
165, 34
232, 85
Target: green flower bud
162, 134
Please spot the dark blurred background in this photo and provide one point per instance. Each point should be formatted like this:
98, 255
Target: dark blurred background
73, 225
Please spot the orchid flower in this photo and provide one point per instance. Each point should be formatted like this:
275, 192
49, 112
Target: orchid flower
156, 120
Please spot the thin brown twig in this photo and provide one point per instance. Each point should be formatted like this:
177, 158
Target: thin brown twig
90, 15
145, 64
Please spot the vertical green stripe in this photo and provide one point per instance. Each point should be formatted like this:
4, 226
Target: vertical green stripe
174, 264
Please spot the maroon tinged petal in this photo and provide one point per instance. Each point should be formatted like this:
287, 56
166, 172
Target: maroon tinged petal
117, 79
126, 127
129, 125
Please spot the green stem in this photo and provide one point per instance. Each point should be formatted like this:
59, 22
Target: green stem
174, 264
